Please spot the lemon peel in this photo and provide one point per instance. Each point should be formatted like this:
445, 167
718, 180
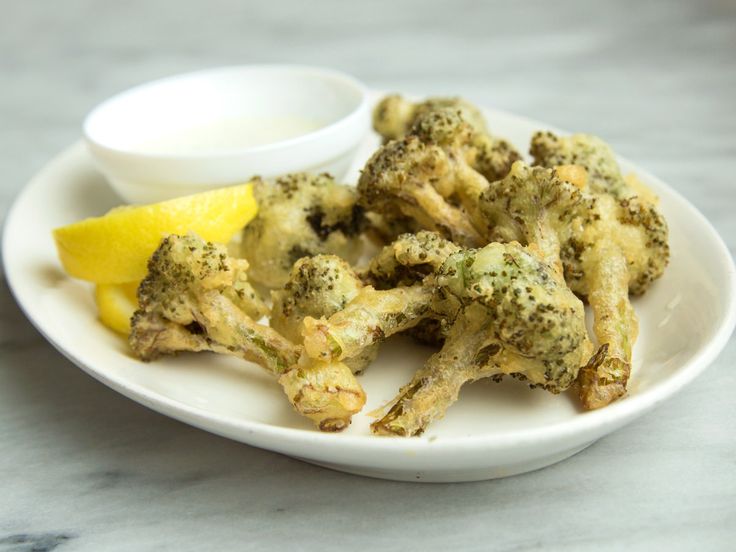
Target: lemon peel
116, 304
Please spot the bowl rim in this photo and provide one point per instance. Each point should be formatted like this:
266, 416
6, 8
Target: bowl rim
322, 73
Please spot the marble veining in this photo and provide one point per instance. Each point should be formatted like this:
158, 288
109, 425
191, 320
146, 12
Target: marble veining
34, 542
84, 469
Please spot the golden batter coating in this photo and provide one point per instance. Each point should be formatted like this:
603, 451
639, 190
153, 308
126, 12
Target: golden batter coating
608, 241
300, 215
518, 303
325, 392
196, 298
533, 312
492, 157
319, 286
515, 317
394, 115
188, 279
405, 262
534, 206
408, 259
487, 258
371, 317
409, 178
398, 299
433, 172
586, 150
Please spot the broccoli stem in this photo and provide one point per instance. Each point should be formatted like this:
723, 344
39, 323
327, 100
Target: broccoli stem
545, 240
615, 326
369, 318
230, 327
437, 384
431, 210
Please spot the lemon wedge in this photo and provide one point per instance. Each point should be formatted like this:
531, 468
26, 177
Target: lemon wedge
116, 303
114, 248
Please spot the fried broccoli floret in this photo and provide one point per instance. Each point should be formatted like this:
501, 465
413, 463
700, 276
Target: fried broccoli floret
515, 317
533, 312
533, 324
300, 215
622, 211
319, 286
604, 175
394, 115
489, 156
408, 260
196, 298
395, 301
466, 356
608, 242
188, 281
409, 178
534, 206
623, 252
434, 173
371, 317
384, 228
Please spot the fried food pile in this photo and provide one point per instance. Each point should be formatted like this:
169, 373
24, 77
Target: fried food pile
485, 256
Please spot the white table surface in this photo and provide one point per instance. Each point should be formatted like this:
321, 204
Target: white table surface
83, 468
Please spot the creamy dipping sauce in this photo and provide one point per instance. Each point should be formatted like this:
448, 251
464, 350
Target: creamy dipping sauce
229, 134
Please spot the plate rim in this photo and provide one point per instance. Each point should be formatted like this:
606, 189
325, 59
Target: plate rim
580, 427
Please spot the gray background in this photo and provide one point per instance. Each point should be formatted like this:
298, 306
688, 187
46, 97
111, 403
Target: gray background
83, 468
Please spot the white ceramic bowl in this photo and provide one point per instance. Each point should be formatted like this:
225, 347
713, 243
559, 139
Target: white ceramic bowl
130, 135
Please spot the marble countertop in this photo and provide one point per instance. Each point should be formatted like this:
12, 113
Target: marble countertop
84, 469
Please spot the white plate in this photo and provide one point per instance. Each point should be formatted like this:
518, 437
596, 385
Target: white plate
495, 430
